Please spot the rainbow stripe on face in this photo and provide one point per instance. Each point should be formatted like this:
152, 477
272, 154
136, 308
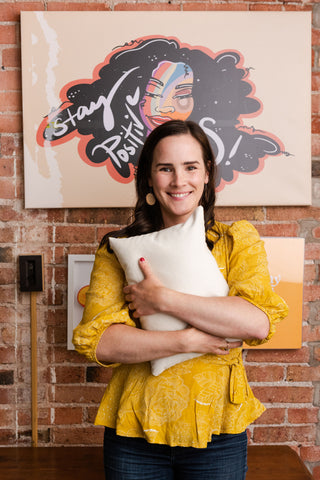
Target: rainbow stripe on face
171, 75
168, 94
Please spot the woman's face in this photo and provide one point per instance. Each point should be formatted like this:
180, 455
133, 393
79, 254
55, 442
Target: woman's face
168, 94
178, 177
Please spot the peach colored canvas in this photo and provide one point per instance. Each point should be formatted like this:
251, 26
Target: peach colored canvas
74, 157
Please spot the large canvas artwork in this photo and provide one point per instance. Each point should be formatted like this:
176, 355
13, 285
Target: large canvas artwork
95, 84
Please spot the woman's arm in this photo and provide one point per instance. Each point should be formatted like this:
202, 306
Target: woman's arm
220, 316
125, 344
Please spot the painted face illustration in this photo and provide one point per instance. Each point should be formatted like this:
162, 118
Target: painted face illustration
168, 94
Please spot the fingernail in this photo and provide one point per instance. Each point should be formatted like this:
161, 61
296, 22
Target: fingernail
142, 259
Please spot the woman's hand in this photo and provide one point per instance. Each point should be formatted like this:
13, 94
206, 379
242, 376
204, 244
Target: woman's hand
201, 342
145, 297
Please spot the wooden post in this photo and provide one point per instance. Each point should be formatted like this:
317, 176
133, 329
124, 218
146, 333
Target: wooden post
34, 370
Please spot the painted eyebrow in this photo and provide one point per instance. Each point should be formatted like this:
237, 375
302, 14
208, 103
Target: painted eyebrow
184, 85
155, 82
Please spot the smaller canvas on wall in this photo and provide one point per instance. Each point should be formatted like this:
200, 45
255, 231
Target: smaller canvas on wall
286, 279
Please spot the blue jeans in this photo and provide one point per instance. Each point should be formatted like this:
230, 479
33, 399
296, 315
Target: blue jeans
225, 458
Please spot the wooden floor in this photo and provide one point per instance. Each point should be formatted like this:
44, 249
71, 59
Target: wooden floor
86, 463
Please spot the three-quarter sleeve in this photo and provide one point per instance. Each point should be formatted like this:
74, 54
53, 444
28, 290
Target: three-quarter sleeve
249, 277
105, 304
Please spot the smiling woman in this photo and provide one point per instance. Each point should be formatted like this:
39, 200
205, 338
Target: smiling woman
192, 416
178, 177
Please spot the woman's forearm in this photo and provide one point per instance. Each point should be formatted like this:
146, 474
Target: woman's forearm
124, 344
222, 316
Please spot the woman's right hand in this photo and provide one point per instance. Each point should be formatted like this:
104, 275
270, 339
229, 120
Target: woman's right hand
201, 342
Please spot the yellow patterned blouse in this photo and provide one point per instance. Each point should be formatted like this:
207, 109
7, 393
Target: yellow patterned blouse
190, 401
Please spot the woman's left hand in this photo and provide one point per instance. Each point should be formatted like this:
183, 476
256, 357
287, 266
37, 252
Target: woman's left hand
144, 298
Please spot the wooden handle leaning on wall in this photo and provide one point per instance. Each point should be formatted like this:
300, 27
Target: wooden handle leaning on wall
34, 370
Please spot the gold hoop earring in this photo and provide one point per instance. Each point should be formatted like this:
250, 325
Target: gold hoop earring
150, 199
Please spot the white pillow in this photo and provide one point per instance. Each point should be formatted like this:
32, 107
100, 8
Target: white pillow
180, 258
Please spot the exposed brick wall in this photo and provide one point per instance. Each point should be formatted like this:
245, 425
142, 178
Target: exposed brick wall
288, 382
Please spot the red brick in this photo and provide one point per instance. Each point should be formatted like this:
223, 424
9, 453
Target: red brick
10, 101
68, 415
303, 415
310, 273
296, 373
7, 355
146, 7
10, 12
70, 374
315, 102
10, 80
91, 414
312, 251
298, 8
311, 334
278, 230
7, 35
78, 435
7, 188
6, 167
310, 454
311, 293
7, 314
7, 293
7, 396
283, 434
75, 234
62, 355
98, 374
7, 436
232, 214
35, 234
265, 7
301, 355
7, 417
114, 216
269, 373
77, 6
294, 213
202, 6
10, 145
315, 124
10, 123
78, 394
81, 249
7, 235
11, 58
316, 232
288, 394
315, 81
101, 232
56, 215
315, 144
272, 416
315, 37
316, 473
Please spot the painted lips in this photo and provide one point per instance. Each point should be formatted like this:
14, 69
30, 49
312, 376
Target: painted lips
158, 120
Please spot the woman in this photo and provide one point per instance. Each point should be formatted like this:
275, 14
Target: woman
190, 421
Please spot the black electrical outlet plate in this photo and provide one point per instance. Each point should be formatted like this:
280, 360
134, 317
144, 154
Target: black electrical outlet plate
30, 273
